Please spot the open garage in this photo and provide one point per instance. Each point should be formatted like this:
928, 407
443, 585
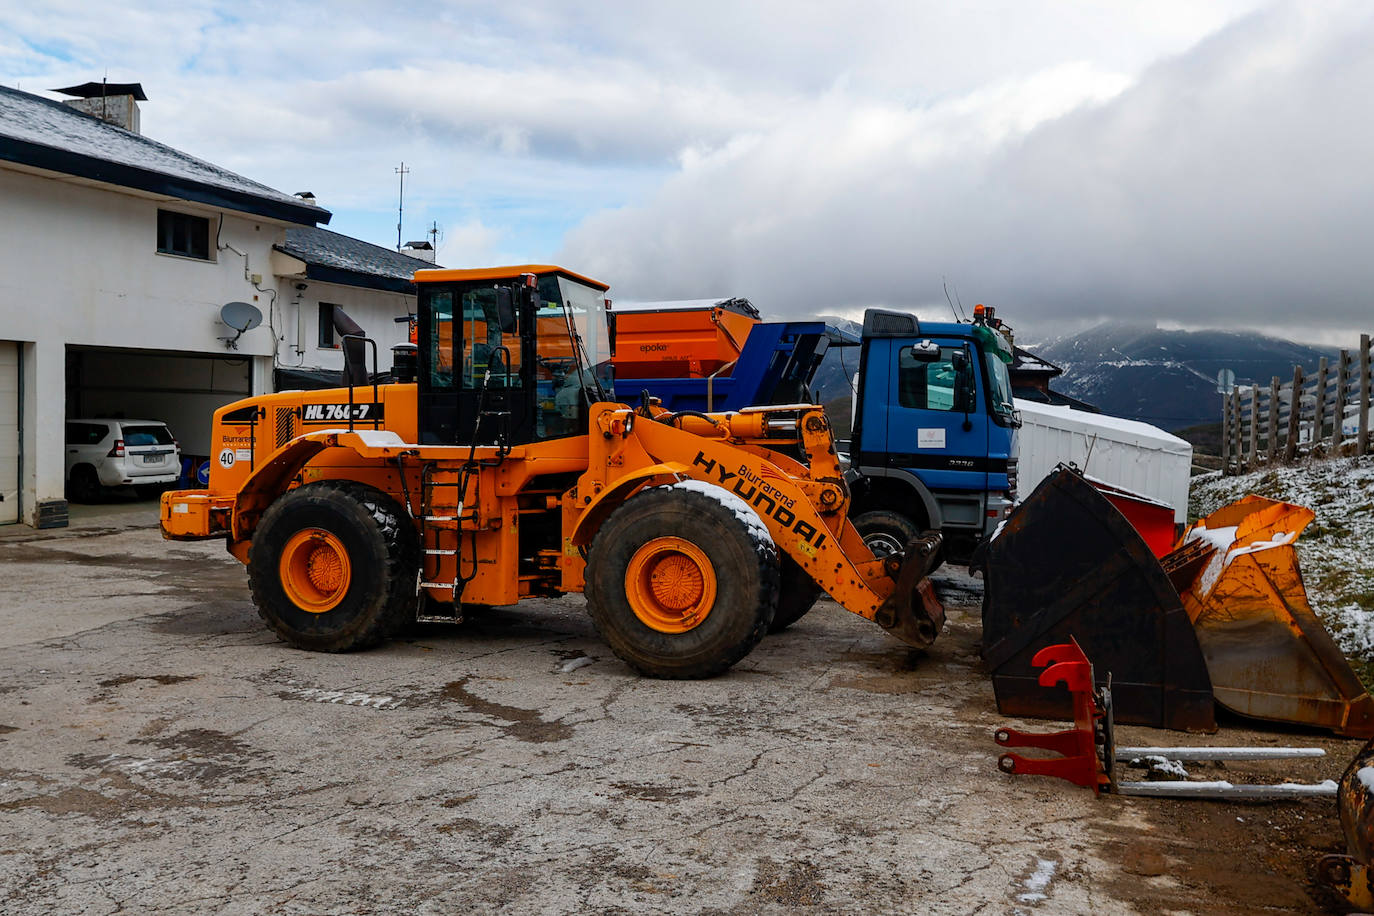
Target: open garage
180, 390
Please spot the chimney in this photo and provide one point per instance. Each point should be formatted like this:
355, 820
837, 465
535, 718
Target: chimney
422, 250
115, 103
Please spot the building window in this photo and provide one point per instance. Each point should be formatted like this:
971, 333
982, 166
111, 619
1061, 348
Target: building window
327, 339
183, 234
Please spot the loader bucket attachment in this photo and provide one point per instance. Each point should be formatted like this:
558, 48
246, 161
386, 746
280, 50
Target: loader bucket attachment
913, 613
1067, 565
1268, 654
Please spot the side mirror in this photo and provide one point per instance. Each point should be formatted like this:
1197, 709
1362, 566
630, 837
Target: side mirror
610, 331
505, 309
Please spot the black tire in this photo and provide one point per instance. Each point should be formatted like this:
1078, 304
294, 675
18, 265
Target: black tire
886, 532
83, 486
744, 571
382, 550
797, 594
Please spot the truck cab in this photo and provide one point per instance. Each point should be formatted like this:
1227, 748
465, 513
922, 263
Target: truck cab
934, 436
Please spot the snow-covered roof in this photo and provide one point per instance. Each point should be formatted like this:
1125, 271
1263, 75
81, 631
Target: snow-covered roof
334, 258
48, 135
1119, 428
1027, 361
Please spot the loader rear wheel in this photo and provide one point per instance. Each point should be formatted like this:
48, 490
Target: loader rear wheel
797, 594
332, 566
679, 585
886, 533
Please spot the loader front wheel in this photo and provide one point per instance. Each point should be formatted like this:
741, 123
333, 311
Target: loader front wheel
332, 566
679, 585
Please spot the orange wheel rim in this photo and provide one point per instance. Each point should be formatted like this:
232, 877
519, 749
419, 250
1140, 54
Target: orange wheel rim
315, 571
671, 585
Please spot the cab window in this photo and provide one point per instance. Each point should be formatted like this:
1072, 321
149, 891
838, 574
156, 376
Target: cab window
485, 349
930, 381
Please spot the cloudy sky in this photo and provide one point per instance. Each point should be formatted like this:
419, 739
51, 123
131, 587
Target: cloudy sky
1193, 162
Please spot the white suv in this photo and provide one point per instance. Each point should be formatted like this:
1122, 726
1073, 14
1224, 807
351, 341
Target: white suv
114, 453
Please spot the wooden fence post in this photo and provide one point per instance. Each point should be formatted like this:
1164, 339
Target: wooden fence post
1253, 459
1363, 441
1342, 394
1290, 448
1234, 400
1318, 430
1271, 447
1227, 419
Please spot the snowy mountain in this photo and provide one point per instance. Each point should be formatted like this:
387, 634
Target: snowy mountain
1167, 378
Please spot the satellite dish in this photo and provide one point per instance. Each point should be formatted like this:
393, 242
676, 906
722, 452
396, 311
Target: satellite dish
241, 316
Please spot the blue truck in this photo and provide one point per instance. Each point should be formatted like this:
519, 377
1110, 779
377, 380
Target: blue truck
933, 444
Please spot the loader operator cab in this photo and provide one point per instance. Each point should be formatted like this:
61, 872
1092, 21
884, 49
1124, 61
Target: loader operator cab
510, 355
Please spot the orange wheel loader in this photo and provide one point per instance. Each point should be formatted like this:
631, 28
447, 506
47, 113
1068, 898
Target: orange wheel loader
499, 466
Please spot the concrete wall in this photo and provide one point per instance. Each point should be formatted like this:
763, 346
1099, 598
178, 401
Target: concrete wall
79, 265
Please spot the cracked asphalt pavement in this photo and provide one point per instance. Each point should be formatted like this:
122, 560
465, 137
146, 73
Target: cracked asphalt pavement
161, 752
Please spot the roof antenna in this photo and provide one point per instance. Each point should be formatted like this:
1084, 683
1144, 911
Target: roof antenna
401, 202
957, 316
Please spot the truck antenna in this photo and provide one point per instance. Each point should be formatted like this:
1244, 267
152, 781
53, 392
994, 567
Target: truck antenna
957, 316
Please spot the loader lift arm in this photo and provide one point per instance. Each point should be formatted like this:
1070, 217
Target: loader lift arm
803, 504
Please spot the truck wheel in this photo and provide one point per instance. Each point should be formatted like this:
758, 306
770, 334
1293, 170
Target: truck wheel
679, 585
887, 532
797, 595
332, 566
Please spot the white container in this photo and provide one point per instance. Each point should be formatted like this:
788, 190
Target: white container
1134, 456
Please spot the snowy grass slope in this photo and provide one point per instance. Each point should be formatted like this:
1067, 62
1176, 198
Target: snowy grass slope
1335, 552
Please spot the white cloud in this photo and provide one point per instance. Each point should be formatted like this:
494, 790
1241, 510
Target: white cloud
1229, 181
1062, 157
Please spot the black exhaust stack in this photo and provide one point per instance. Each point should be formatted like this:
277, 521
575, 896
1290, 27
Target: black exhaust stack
354, 350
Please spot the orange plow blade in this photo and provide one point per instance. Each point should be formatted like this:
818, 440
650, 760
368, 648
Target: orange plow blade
1267, 653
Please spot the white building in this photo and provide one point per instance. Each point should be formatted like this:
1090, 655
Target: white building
117, 254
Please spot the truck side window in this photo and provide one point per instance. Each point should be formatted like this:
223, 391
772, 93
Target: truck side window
927, 384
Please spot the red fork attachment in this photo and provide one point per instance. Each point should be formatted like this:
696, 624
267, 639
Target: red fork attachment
1081, 748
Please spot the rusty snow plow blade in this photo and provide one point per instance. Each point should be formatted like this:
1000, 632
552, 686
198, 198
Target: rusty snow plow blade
1351, 875
1268, 654
1067, 565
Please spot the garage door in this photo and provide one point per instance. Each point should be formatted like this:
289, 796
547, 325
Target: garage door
181, 391
9, 432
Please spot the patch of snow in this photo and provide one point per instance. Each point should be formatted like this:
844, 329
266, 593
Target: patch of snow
1336, 552
1161, 766
1366, 777
1038, 882
343, 697
743, 511
573, 664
